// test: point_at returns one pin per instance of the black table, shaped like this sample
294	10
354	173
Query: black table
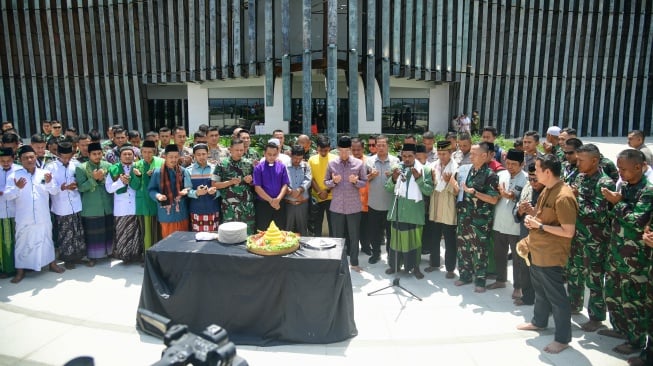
303	297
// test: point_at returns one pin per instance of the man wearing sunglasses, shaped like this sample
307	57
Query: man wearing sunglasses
569	167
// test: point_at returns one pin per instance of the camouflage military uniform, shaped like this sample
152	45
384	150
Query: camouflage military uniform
609	168
559	153
588	248
237	200
569	172
474	225
252	154
629	262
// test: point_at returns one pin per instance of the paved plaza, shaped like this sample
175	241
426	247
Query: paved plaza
49	318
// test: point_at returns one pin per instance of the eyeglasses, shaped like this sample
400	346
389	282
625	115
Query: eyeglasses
371	145
569	152
532	179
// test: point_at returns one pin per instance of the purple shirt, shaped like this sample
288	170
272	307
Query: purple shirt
346	197
271	178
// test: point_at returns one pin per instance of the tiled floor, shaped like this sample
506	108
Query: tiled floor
49	319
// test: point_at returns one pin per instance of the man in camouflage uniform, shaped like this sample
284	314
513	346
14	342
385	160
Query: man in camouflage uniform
609	168
586	263
233	177
646	356
569	168
629	259
481	193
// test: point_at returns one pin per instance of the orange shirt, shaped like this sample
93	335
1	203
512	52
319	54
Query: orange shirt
365	190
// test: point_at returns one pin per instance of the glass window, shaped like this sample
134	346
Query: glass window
406	115
235	111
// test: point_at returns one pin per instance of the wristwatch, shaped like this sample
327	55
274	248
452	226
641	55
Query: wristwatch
541	227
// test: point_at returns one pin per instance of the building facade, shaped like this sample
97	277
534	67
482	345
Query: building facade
353	66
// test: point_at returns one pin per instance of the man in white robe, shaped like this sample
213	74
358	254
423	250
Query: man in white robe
31	188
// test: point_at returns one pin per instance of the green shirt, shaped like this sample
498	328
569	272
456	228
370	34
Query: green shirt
95	199
144	204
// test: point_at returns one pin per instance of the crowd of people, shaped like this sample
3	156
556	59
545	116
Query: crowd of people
568	217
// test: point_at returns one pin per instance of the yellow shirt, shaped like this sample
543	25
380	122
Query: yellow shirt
319	166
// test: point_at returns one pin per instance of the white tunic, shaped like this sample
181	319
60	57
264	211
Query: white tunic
7	207
124	204
65	202
34	246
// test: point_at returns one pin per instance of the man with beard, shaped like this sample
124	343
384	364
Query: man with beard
97	204
140	181
442	210
167	187
410	183
30	188
129	240
66	206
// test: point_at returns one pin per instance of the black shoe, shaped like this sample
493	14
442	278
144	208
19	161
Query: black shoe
367	251
374	259
426	252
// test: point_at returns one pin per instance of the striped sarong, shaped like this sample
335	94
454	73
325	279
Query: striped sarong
70	236
150	230
129	241
7	242
98	231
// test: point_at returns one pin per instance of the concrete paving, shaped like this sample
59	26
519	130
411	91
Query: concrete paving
49	318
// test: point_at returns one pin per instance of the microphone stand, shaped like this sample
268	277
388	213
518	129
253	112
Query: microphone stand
395	219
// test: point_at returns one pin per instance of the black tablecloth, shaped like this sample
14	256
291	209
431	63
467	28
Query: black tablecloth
303	297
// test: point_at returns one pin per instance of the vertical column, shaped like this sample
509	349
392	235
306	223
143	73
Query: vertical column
202	37
183	51
269	54
64	62
213	57
353	66
396	38
307	66
192	47
224	39
32	75
44	81
162	44
10	68
428	55
332	70
115	68
370	71
99	114
122	69
408	40
419	31
385	54
133	68
286	77
172	44
251	11
237	55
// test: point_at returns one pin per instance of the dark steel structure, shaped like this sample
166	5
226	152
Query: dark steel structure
523	64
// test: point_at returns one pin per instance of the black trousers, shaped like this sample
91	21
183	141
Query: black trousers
378	230
317	217
501	244
365	232
265	214
347	226
450	249
551	297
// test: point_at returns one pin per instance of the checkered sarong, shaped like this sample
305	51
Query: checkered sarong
205	222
